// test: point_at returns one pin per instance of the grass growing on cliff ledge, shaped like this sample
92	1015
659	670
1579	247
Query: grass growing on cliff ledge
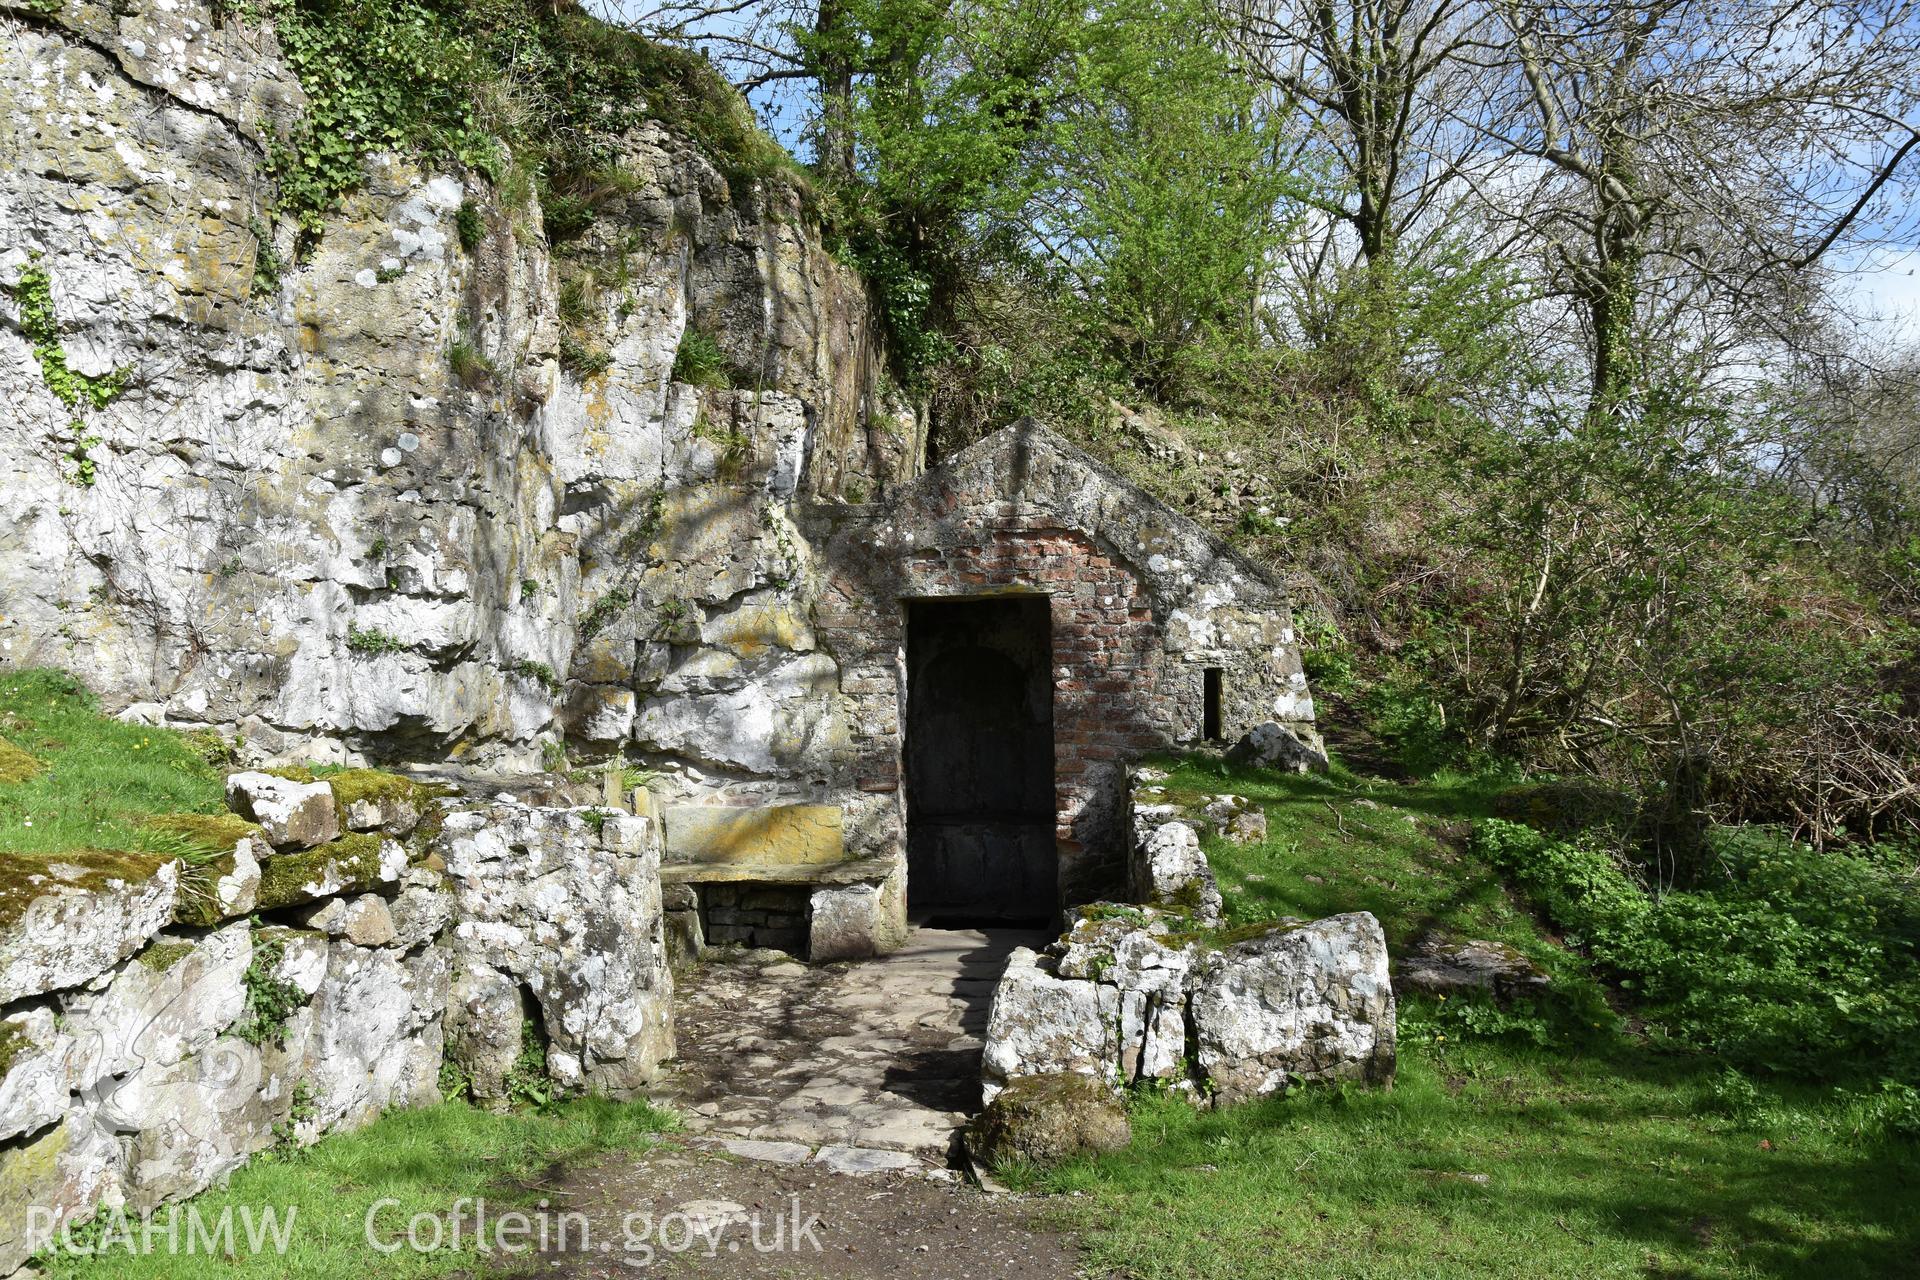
417	1162
1546	1142
94	781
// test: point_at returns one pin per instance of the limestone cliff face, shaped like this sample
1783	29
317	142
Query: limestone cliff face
369	502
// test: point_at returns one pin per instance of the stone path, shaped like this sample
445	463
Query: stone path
858	1065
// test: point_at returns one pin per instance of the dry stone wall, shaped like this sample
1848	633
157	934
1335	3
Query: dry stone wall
1153	993
156	1030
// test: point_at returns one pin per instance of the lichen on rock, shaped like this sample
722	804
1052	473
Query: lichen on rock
67	917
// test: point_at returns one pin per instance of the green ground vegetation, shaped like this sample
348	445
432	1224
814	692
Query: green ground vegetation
97	782
1563	1137
423	1160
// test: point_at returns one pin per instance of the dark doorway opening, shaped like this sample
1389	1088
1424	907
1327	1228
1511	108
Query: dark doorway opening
979	760
1210	685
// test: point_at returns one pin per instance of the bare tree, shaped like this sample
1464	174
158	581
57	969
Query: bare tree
1370	75
1702	162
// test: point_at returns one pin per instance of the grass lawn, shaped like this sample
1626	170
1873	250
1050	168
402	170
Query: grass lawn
425	1160
1589	1155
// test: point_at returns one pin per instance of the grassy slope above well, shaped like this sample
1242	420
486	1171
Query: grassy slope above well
93	781
1531	1146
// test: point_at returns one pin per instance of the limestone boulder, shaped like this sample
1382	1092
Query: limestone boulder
1041	1023
421	910
353	863
375	800
1300	1003
375	1035
1236	818
845	922
364	921
152	1055
33	1076
1272	745
1131	994
158	1009
65	920
1169	868
63	1172
294	815
1042	1120
485	1031
1437	965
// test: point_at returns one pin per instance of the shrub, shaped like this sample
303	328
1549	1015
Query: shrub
1791	959
372	640
469	225
270	999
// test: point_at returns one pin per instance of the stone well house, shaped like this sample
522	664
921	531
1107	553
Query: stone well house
987	649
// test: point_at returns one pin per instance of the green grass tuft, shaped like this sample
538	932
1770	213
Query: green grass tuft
700	361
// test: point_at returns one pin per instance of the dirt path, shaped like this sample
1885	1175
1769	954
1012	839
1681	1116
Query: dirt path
681	1211
831	1061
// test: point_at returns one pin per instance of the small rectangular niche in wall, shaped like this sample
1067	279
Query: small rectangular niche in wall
1210	722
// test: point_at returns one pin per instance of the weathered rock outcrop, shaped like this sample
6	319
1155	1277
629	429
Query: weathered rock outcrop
563	904
294	516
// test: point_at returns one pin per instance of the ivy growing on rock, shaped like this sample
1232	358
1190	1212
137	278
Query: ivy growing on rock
271	1000
33	295
533	96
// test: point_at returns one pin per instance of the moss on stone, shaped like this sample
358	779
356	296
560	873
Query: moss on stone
14	1041
1042	1120
380	787
350	864
162	956
17	765
25	877
1222	938
28	1172
376	785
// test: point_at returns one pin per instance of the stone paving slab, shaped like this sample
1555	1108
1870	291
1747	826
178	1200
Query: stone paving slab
871	1059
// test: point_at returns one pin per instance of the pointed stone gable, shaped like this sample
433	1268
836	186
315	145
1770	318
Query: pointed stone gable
1144	603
